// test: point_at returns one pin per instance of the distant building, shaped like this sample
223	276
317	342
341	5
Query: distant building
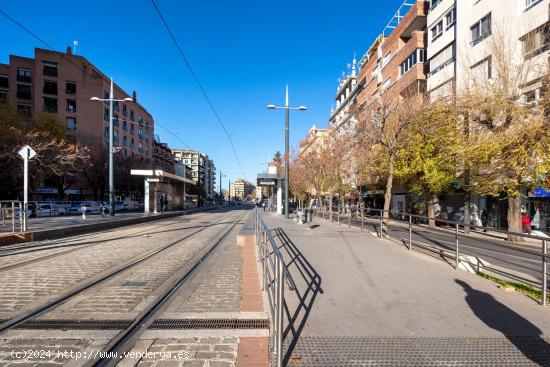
203	171
314	140
162	156
241	188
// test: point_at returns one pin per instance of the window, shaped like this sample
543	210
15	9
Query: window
418	56
536	42
106	96
132	144
50	105
132	117
125	140
124	125
25	109
50	68
106	131
530	3
140	133
115	135
71	105
442	59
115	120
131	129
482	70
124	110
70	88
50	87
24	91
437	30
140	118
115	105
140	147
23	75
4	81
71	123
450	17
481	30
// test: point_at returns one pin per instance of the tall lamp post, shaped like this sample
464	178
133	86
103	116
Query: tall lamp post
287	109
112	150
221	196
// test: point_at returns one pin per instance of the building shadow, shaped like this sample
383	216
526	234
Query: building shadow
308	285
525	336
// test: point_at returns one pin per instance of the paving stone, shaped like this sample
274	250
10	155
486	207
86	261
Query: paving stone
195	363
221	364
224	348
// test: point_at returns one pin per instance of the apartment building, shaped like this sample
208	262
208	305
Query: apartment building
62	84
315	138
343	116
463	37
396	62
203	171
241	188
162	156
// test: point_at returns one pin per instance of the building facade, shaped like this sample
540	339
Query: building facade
315	138
163	158
241	189
202	167
62	84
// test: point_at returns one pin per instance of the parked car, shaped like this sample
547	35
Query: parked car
92	207
46	210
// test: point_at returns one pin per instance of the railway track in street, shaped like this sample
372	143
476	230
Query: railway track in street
133	265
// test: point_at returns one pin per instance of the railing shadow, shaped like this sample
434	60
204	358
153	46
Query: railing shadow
307	289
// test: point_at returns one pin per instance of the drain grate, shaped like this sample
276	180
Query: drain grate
165	324
159	324
76	324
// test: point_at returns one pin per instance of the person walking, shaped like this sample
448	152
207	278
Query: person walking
485	219
165	202
162	203
525	222
263	205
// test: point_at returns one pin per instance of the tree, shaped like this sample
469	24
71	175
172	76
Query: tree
56	156
382	129
429	164
508	141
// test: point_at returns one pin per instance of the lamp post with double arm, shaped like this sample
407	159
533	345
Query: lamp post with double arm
112	150
287	109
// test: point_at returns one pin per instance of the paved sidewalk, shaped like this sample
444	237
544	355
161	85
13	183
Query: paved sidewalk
361	300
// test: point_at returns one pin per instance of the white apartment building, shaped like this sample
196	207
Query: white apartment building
461	42
342	117
203	171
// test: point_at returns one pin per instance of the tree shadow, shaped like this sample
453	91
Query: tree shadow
525	336
308	285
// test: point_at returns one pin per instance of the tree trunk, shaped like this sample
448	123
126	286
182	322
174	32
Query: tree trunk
432	200
387	194
514	217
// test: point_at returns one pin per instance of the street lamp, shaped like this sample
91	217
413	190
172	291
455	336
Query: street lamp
287	109
112	150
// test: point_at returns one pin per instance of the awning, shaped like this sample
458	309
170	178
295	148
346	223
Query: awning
161	174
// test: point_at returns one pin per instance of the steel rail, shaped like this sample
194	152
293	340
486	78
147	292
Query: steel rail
20	319
125	340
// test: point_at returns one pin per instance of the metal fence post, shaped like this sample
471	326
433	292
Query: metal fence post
544	272
12	216
22	219
381	221
457	259
410	232
280	297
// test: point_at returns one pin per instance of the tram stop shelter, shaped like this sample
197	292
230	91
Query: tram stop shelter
271	185
158	182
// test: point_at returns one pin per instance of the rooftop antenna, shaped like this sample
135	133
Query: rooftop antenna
75	43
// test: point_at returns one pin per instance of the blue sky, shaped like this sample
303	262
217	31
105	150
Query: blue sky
244	52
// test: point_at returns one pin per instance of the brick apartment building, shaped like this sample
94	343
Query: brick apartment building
163	158
62	84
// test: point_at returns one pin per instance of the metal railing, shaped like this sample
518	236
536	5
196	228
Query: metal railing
11	216
445	226
274	276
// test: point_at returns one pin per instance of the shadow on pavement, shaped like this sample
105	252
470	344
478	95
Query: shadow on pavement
307	288
525	336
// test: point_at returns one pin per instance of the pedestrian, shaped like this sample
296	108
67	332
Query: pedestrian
525	222
485	219
162	203
165	202
263	205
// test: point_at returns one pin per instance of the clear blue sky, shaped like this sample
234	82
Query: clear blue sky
244	52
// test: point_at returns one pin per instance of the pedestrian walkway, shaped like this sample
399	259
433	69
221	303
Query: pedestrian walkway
361	300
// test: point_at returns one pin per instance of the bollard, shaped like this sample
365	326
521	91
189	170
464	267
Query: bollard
410	232
381	222
362	217
457	259
544	272
349	221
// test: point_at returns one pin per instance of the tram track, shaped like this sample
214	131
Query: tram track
56	301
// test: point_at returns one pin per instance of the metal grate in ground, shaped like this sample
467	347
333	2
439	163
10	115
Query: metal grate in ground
160	324
404	351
